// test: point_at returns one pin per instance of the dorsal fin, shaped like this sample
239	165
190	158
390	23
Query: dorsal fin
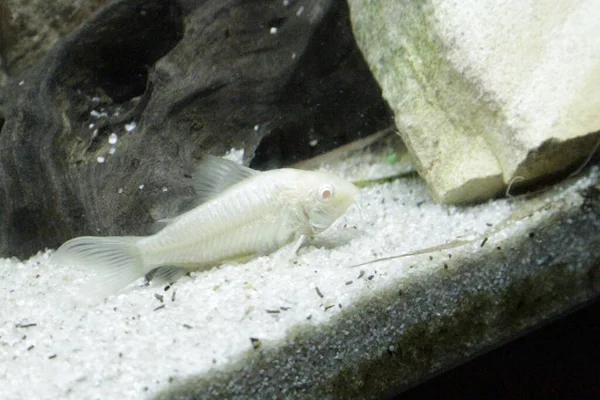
212	176
157	226
215	174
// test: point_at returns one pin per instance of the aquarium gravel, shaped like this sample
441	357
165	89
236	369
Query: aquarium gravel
135	344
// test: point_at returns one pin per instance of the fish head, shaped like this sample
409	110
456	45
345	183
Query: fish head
329	196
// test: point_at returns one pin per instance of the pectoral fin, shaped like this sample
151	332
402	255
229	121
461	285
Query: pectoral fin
159	225
287	253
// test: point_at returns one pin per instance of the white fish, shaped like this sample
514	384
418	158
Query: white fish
244	213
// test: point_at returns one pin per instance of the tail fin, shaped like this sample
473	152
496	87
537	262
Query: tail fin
116	260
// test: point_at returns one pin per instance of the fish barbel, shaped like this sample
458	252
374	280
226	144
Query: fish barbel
243	213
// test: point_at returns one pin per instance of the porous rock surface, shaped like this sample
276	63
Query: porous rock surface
487	95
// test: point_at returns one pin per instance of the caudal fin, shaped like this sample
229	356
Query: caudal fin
116	260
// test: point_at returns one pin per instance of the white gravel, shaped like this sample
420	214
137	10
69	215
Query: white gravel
134	343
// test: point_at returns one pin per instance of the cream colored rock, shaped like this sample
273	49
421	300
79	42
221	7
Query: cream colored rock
486	93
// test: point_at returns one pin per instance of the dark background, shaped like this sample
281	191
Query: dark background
558	361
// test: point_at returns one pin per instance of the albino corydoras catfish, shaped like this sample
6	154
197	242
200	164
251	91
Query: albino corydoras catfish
243	212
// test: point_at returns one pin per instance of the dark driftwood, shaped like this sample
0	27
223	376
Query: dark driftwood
196	76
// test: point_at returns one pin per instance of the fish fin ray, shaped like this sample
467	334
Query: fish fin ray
287	253
167	274
214	175
115	259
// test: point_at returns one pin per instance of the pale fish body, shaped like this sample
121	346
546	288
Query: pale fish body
244	213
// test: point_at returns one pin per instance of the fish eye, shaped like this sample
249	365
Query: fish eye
325	192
